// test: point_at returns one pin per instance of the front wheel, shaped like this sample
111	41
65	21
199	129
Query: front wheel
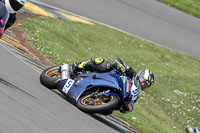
101	104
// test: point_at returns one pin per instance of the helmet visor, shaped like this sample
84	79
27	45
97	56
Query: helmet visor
144	84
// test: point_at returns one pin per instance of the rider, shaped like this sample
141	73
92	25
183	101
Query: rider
4	15
140	81
12	6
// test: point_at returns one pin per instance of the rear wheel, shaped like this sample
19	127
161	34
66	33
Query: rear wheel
50	76
98	104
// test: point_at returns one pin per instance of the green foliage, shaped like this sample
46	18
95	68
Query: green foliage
167	107
191	7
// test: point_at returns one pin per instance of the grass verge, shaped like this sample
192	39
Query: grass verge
191	7
167	107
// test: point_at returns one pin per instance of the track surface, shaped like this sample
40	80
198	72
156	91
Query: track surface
28	107
148	19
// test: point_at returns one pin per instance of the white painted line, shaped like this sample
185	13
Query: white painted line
56	8
8	49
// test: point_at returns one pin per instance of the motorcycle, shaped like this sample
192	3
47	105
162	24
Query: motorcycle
91	92
190	129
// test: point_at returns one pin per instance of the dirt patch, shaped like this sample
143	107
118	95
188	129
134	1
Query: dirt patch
16	29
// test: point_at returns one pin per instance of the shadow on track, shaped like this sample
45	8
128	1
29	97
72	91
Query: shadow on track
99	118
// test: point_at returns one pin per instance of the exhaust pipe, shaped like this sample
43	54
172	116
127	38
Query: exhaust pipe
65	71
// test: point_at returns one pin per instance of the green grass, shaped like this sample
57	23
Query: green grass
167	107
191	7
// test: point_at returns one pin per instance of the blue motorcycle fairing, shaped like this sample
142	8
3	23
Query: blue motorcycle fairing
93	79
126	86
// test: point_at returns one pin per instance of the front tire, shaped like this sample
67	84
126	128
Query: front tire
50	76
98	105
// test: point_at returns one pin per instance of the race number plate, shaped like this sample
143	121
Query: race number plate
68	85
134	91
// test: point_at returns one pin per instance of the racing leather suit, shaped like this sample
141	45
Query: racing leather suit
101	65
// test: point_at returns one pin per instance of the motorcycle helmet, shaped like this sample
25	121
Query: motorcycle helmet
145	78
14	5
4	15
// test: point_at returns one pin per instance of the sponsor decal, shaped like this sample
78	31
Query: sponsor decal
127	86
68	85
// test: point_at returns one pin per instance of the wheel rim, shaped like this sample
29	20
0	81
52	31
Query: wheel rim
88	100
53	72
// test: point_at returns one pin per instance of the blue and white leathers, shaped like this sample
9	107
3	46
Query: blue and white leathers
135	89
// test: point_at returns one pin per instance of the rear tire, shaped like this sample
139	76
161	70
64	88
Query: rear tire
101	107
50	76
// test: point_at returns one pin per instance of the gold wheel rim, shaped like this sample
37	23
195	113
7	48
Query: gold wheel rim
84	101
53	72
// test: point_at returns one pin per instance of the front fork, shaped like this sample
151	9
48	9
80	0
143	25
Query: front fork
104	93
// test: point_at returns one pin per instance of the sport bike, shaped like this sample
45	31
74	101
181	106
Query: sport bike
91	92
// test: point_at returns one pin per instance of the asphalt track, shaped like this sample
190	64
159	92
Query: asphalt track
147	19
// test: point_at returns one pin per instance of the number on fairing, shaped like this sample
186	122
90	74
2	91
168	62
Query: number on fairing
68	85
134	90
